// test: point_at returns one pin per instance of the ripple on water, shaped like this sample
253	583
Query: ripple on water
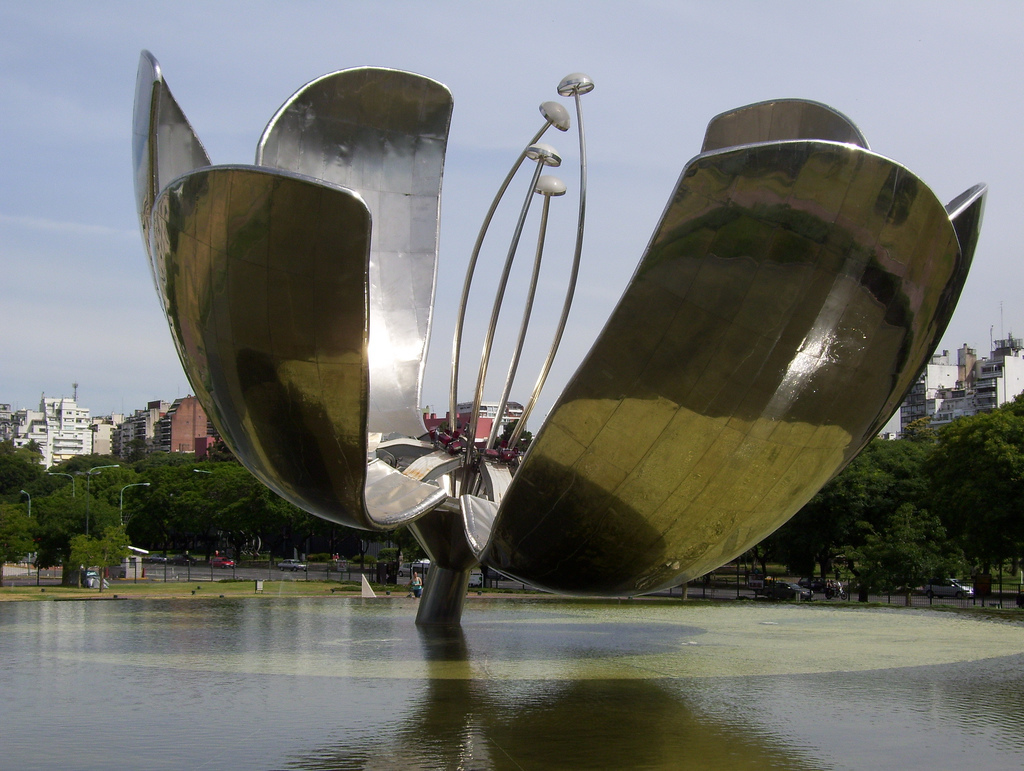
319	684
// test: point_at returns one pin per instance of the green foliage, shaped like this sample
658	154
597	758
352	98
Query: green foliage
19	469
180	509
388	554
906	510
109	549
16	534
869	490
163	459
909	549
409	547
136	450
920	430
977	473
524	438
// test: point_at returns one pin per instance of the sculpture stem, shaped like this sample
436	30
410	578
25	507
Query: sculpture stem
468	281
444	597
570	290
527	311
485	355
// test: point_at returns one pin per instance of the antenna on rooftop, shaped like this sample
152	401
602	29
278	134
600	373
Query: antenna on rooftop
74	393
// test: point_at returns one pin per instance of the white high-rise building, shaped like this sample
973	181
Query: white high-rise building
59	427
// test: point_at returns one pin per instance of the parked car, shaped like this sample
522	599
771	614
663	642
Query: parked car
291	565
221	562
406	568
182	559
158	558
476	580
784	590
812	583
90	579
946	587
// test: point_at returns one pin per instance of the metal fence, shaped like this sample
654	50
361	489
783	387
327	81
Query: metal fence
1008	596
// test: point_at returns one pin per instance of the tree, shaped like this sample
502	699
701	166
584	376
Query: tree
135	450
909	549
16	530
59	516
977	482
869	490
524	438
87	551
19	467
920	430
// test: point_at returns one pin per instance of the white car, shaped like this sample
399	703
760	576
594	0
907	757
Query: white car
406	568
946	587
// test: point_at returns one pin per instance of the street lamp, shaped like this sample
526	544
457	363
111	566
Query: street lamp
62	474
120	508
88	478
29	502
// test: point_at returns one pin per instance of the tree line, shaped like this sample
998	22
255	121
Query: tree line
936	503
941	503
85	511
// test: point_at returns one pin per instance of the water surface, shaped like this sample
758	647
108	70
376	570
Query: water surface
332	683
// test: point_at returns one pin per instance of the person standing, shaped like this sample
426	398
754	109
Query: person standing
417	585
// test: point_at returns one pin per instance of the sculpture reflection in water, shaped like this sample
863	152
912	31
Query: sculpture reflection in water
794	287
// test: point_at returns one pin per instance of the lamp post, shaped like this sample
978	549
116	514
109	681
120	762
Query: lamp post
120	507
62	474
88	479
204	471
36	557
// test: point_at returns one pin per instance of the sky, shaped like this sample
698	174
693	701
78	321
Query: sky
933	85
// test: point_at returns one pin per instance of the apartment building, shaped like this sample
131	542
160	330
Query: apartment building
139	429
60	428
183	422
951	388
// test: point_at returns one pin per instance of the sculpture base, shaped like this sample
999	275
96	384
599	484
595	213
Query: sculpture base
444	597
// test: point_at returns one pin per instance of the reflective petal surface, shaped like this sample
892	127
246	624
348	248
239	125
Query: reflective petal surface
264	279
787	301
382	133
966	211
164	146
777	121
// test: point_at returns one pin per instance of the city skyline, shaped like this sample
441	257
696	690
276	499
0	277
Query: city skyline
927	83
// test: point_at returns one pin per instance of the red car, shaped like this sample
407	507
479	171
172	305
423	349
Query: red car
222	562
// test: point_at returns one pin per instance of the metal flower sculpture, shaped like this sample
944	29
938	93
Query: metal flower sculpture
794	287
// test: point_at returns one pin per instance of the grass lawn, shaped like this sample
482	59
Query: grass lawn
127	589
145	589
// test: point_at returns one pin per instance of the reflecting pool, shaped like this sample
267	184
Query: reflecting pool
311	683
